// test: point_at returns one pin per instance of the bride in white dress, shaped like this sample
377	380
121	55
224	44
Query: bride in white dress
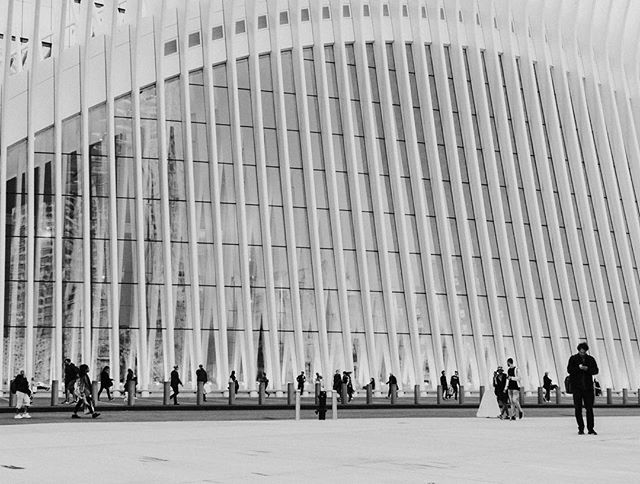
488	406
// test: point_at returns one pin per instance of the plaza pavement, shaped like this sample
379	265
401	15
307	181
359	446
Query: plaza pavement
403	450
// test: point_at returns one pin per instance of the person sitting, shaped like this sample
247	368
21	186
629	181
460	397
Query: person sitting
596	386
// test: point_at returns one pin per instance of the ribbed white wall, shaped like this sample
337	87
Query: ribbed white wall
522	242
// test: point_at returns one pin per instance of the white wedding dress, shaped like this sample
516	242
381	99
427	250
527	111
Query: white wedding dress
488	406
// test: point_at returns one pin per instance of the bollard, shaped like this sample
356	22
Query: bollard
95	388
54	393
369	395
625	396
290	392
232	392
318	389
297	406
609	396
481	392
12	396
540	395
166	393
261	393
521	396
200	393
416	394
345	394
334	406
439	395
558	396
393	388
461	395
131	393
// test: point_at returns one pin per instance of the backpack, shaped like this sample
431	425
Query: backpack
567	385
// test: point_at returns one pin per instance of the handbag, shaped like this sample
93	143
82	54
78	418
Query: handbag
567	385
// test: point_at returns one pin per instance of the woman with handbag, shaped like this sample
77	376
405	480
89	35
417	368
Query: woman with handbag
513	388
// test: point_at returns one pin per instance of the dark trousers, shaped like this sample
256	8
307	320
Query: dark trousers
455	392
81	404
104	388
547	391
175	395
583	398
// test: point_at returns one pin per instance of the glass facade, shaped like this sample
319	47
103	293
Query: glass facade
370	205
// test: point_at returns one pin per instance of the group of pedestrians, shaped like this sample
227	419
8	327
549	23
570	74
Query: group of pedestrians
451	390
507	390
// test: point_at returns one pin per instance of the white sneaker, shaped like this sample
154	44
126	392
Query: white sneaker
26	415
18	416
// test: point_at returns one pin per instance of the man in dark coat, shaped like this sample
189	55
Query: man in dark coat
581	369
548	385
70	376
175	382
455	383
444	385
392	381
301	379
201	376
337	384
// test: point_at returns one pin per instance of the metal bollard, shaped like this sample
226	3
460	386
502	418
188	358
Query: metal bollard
166	386
521	396
558	396
232	392
625	396
261	393
461	395
416	394
540	395
481	392
54	393
290	392
393	388
318	389
345	395
609	396
297	406
95	388
131	393
200	393
369	394
334	406
439	395
12	396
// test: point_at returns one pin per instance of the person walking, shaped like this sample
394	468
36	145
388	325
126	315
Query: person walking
499	388
106	382
130	378
202	376
392	381
21	388
236	384
84	393
337	385
513	388
301	379
455	383
548	385
346	380
175	385
319	379
70	376
582	367
444	385
371	384
262	378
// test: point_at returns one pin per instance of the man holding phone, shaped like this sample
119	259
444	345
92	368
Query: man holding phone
581	369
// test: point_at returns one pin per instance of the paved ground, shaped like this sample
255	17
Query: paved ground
406	450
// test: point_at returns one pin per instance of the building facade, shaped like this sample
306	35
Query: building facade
399	186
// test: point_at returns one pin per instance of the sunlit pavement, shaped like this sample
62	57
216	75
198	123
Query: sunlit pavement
462	449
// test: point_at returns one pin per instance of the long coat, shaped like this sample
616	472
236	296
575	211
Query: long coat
582	380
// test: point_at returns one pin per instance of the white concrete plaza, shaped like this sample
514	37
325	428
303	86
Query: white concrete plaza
351	450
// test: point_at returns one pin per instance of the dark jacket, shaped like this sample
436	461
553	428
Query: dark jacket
455	381
105	380
499	383
175	379
546	382
70	373
392	380
582	380
443	382
21	384
201	375
337	382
